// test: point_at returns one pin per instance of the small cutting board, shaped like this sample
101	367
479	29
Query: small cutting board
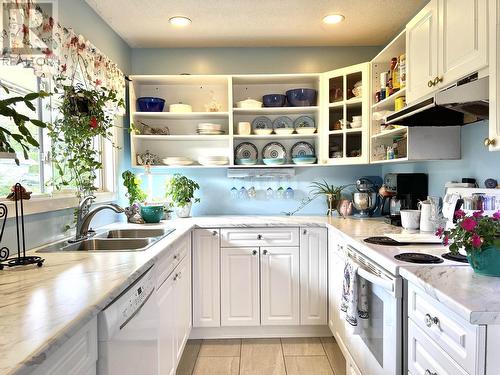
428	238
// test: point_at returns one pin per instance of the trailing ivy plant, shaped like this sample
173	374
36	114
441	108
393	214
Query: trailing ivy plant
23	137
133	185
85	114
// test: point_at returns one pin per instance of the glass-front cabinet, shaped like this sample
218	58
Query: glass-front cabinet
345	109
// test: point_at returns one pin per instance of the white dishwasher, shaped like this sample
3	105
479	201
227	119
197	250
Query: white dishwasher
128	331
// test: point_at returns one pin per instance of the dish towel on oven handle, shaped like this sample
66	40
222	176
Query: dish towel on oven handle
354	302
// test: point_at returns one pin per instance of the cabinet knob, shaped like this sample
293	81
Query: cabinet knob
430	320
254	252
437	80
175	257
305	231
265	252
214	233
430	83
176	277
490	142
429	372
259	236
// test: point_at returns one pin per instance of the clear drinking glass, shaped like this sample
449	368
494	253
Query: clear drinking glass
269	193
243	194
289	193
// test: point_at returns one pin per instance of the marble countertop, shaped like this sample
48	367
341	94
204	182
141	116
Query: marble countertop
42	307
474	297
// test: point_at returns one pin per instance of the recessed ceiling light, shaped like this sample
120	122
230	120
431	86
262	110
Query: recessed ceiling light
179	21
333	19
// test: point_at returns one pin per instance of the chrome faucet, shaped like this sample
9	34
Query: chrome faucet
85	216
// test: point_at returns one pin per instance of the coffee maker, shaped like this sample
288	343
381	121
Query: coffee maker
405	191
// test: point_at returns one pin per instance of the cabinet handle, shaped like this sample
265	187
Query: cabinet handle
259	236
430	320
265	252
437	80
490	142
214	233
176	277
429	372
430	83
254	252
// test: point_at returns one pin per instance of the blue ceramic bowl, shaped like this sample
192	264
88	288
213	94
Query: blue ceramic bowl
301	97
274	100
246	161
152	214
304	160
150	104
275	161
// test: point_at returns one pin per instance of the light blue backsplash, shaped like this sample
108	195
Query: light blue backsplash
216	198
477	162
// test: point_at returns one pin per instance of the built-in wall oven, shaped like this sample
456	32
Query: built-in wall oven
376	346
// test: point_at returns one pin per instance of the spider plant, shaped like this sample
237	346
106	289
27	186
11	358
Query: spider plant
333	193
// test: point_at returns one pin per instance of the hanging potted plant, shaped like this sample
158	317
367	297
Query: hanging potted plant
332	193
79	125
23	137
479	236
180	190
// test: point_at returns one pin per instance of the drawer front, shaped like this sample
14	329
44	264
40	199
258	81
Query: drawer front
260	237
172	258
77	356
460	339
426	358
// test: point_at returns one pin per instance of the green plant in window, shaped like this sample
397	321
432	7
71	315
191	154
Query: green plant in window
133	185
180	190
85	115
23	137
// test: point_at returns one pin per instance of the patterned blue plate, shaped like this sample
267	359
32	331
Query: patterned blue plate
246	150
262	122
274	150
304	122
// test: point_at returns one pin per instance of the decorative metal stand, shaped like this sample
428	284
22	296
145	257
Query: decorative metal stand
21	259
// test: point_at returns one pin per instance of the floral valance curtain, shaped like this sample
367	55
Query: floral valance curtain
31	36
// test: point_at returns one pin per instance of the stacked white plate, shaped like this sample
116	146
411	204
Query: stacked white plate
213	160
207	128
178	160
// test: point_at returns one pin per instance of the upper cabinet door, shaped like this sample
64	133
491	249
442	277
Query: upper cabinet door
463	38
240	287
493	140
422	52
279	286
313	276
206	278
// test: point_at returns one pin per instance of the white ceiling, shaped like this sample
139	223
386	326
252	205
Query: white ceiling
253	23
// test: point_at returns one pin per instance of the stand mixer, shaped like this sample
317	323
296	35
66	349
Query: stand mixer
366	199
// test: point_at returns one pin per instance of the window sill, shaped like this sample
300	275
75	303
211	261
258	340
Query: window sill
37	205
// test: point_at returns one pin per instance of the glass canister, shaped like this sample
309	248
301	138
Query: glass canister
478	201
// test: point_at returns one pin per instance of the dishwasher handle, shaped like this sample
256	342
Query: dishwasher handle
124	324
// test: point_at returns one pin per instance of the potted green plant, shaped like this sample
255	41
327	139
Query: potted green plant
23	138
333	194
180	190
85	115
479	236
132	183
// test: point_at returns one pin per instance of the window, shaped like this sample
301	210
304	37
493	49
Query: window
36	172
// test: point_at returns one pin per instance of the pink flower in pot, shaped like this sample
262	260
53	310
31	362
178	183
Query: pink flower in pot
468	224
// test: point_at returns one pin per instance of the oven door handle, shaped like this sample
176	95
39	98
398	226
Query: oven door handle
386	284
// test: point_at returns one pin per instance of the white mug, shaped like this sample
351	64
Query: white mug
410	219
244	128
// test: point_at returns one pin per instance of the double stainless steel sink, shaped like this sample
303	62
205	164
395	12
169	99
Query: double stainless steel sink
114	240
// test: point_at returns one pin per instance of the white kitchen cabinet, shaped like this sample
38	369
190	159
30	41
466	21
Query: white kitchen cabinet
182	305
313	276
206	278
166	329
447	40
77	356
463	38
422	52
240	295
493	140
280	286
236	237
342	144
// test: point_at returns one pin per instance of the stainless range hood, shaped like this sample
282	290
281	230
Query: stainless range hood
463	103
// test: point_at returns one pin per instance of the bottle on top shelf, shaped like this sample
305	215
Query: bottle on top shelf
402	71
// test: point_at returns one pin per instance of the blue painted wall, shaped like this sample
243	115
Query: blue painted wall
477	162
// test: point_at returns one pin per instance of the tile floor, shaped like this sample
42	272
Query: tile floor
286	356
